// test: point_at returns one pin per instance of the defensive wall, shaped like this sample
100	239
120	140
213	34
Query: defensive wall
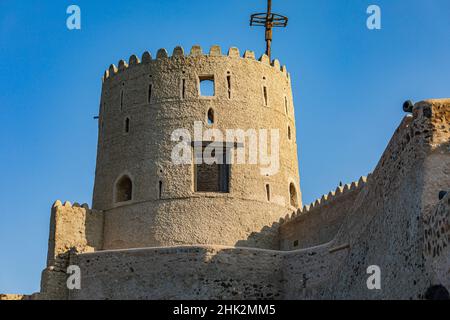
394	219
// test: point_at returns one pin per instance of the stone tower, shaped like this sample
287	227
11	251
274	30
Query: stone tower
147	199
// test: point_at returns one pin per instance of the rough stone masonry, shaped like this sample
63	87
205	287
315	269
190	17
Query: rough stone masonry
157	230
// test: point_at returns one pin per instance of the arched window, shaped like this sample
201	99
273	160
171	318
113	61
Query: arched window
293	195
210	117
124	189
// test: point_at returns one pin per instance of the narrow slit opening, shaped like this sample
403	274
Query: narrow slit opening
265	95
127	125
229	86
149	97
268	192
183	89
286	105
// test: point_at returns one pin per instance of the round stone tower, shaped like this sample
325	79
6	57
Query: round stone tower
147	198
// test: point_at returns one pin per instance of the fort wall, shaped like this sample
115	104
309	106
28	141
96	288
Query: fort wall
11	297
245	243
73	229
204	272
437	243
319	222
386	226
220	215
192	272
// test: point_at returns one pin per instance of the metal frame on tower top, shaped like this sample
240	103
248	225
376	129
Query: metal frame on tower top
269	20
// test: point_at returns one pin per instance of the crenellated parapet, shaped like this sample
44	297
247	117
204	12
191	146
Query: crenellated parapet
195	52
319	222
68	204
326	199
73	229
312	225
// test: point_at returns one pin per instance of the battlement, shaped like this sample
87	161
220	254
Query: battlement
319	222
73	227
68	204
326	199
196	52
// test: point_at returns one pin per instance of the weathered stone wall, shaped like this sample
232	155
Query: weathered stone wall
154	222
6	297
386	225
193	272
319	223
395	222
307	272
178	214
73	229
437	243
204	272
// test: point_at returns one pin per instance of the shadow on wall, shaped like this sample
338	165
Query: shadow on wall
310	226
266	238
437	292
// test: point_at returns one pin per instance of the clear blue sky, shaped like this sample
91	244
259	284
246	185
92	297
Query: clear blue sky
349	84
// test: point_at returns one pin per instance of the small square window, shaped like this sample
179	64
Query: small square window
207	86
296	243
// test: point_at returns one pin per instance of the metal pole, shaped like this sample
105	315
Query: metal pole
269	28
268	20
